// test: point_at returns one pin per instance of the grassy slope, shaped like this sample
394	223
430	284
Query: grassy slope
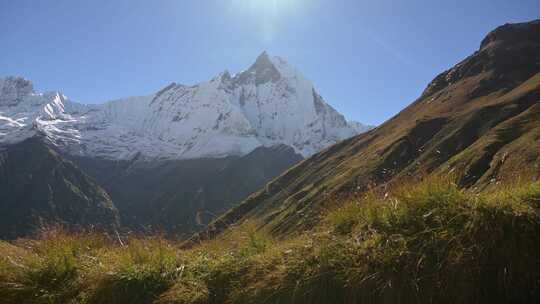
472	241
478	120
428	243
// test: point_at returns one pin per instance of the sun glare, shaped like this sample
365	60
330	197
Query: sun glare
267	7
269	16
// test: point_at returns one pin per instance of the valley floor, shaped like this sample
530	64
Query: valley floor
427	243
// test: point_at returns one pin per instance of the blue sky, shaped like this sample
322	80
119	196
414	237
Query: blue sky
368	58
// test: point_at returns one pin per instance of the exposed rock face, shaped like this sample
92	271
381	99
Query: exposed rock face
38	187
182	196
13	90
509	54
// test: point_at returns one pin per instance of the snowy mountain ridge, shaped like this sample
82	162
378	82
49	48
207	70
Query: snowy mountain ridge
270	103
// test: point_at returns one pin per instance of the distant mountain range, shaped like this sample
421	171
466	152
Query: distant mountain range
172	160
478	122
270	103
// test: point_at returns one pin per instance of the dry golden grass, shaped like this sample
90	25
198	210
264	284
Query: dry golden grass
425	243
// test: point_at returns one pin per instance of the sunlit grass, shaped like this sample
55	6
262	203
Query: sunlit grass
425	243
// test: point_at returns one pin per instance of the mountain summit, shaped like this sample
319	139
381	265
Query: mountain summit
175	159
270	103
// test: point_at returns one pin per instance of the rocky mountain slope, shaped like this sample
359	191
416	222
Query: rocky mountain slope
38	187
270	103
479	121
183	196
176	159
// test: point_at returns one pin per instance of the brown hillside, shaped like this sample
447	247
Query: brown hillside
479	120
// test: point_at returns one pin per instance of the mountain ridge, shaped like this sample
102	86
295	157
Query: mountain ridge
182	196
176	159
39	188
477	121
269	103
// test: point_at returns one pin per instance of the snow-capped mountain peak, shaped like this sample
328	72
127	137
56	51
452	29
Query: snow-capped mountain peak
268	68
269	103
13	90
